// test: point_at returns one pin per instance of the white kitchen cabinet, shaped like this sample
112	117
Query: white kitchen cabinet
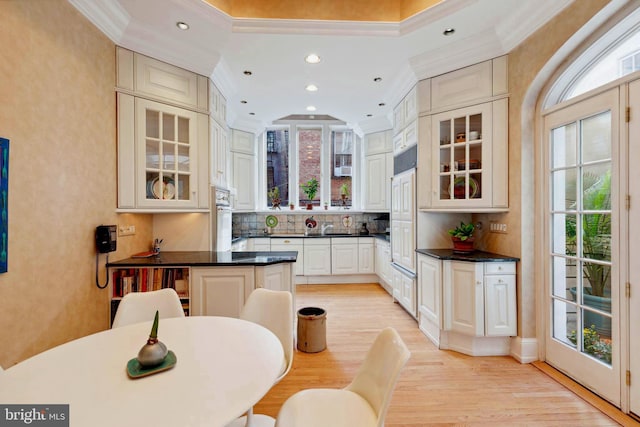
403	238
404	290
160	81
408	137
220	291
430	300
217	106
242	142
276	277
383	262
468	306
291	244
366	255
469	159
344	255
378	170
243	182
159	156
377	143
317	257
260	244
479	298
500	299
464	298
243	167
241	245
406	111
163	136
219	155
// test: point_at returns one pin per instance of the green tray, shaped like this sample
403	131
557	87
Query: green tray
136	370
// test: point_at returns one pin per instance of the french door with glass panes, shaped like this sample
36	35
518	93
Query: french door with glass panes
582	243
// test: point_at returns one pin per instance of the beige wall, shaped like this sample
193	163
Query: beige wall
525	63
57	107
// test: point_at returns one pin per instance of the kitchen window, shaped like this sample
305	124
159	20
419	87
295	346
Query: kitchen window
296	153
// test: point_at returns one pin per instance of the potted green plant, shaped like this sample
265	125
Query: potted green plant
596	245
344	194
462	237
274	195
310	188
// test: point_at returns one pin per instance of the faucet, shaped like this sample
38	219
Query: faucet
324	228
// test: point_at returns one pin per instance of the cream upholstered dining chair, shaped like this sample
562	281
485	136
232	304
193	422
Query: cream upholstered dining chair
136	307
362	403
273	310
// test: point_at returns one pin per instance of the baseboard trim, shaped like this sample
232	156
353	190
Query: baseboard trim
524	350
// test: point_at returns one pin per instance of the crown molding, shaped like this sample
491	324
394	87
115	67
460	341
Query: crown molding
526	21
313	27
108	16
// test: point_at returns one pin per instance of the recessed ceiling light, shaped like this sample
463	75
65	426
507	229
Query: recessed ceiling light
182	25
377	79
247	73
311	108
382	104
312	58
449	31
312	88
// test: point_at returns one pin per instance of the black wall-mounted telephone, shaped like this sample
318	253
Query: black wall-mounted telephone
106	238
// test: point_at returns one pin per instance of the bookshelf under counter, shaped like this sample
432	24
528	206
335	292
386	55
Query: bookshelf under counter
208	283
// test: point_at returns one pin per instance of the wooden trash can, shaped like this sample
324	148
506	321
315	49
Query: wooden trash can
312	329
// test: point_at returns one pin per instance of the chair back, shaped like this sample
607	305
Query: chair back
378	374
136	307
273	310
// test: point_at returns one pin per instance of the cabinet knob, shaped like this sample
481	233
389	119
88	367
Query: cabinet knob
499	268
478	282
287	241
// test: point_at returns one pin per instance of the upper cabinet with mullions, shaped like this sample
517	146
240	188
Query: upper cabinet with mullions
463	151
163	134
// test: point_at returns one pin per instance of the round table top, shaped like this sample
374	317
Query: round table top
224	366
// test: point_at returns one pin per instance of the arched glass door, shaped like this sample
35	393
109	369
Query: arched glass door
583	279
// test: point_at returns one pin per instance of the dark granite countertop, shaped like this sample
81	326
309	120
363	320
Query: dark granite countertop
381	236
475	256
208	259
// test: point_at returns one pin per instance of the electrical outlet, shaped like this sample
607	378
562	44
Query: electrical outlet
126	230
497	227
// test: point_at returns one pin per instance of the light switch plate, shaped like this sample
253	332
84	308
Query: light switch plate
126	230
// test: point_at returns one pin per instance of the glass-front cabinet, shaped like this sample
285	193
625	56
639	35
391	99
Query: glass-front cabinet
464	154
167	144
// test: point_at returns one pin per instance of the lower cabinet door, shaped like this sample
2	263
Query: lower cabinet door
464	297
220	291
500	305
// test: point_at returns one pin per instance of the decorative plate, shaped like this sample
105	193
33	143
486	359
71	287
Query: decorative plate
157	191
458	188
271	221
310	222
136	370
347	221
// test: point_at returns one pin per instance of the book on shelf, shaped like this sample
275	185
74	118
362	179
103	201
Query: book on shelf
150	279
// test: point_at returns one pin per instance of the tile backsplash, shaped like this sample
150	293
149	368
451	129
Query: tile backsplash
254	224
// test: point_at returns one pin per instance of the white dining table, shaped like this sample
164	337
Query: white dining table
224	366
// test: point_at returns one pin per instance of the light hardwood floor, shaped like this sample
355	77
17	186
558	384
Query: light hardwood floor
436	388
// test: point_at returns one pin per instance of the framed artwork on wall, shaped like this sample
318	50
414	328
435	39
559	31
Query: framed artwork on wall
4	197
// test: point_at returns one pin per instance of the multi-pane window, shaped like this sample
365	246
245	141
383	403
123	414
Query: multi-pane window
309	165
342	163
277	159
630	63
